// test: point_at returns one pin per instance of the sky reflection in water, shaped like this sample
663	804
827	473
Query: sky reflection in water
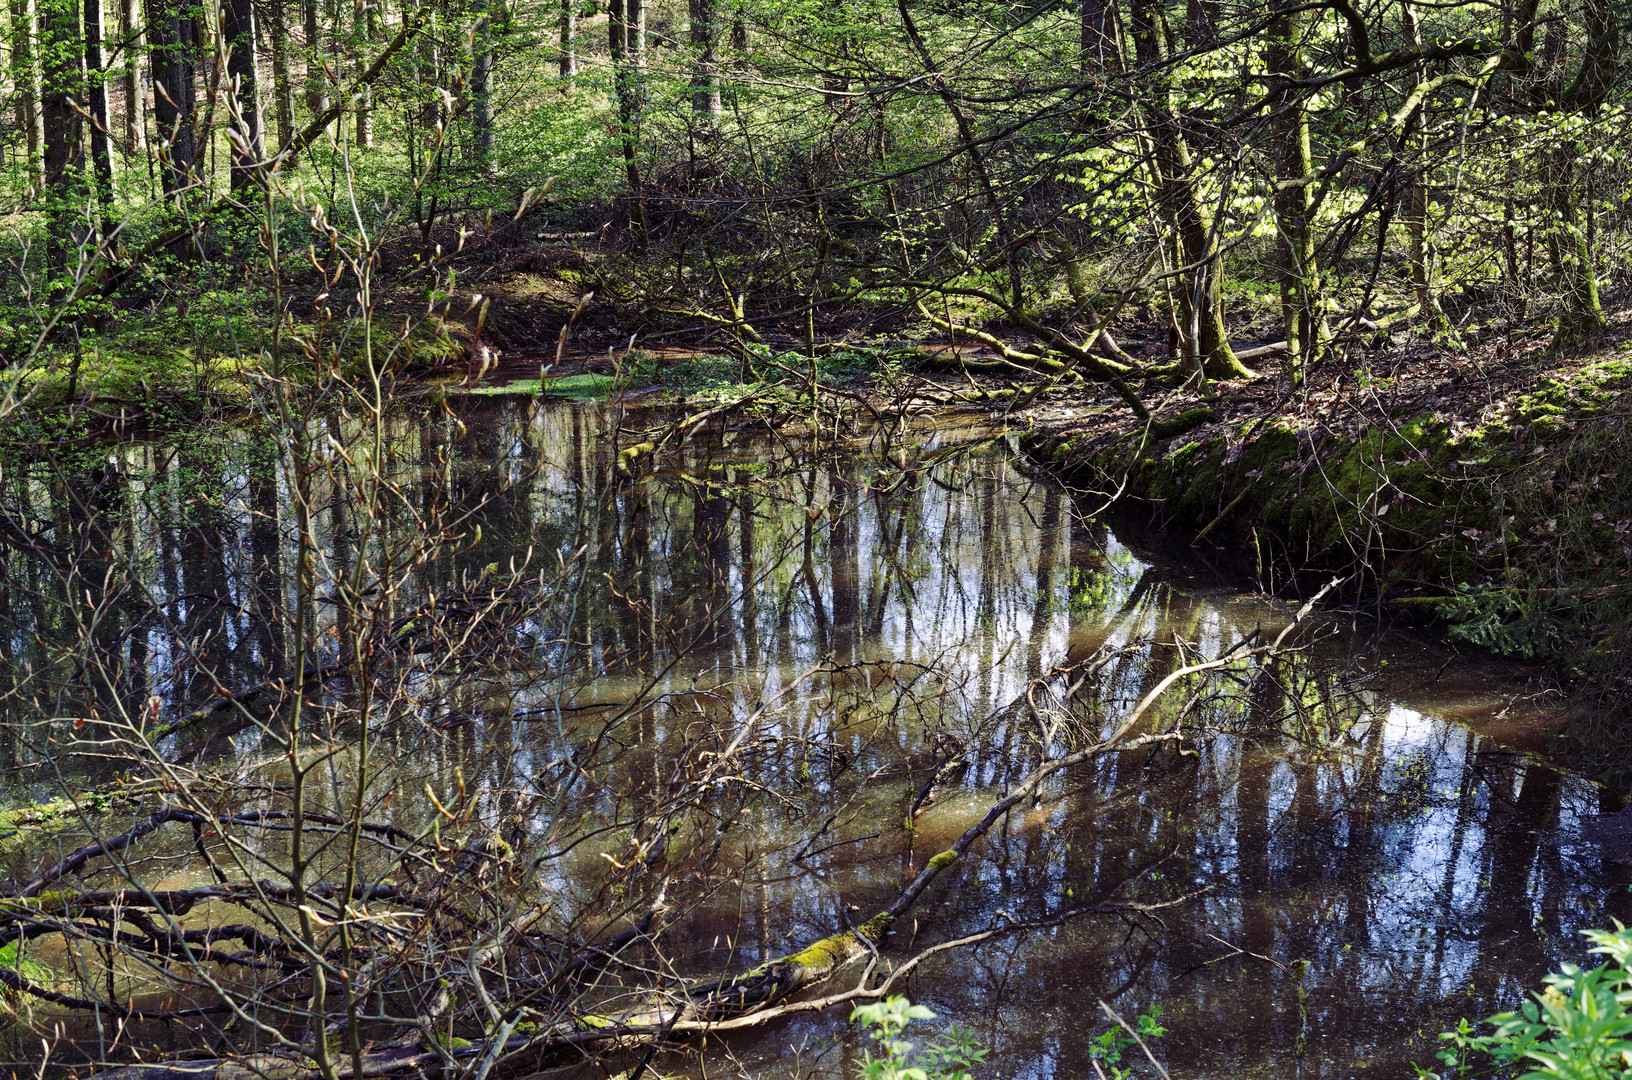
1373	838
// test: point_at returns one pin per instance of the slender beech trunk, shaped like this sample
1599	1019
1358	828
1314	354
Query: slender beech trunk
30	117
619	38
481	77
238	24
1569	242
1421	251
706	106
363	29
60	80
1201	24
135	134
569	40
1302	305
1203	342
317	97
1098	40
283	85
635	30
96	93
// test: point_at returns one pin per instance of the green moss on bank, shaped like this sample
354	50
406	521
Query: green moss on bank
1513	522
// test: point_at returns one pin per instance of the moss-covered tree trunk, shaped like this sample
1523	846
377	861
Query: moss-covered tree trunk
1204	343
1580	311
1303	305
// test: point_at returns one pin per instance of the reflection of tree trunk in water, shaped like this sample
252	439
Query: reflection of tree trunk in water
844	565
640	643
580	482
266	570
1042	608
808	567
1252	833
340	560
745	553
986	608
1359	864
711	524
1446	897
1177	622
1506	929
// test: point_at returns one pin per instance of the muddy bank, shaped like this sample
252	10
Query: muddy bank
1502	505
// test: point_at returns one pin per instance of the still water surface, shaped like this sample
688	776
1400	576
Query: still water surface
1373	848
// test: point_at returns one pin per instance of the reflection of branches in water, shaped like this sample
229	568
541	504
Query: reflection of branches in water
540	764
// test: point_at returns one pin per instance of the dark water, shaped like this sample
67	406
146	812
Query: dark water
1369	845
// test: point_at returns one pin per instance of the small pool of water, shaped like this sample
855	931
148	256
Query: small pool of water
1362	847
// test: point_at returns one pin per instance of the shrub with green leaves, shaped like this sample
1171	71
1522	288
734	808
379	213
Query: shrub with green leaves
1578	1028
944	1058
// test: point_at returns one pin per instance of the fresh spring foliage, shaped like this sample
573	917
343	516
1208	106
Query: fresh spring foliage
1578	1028
946	1058
949	1057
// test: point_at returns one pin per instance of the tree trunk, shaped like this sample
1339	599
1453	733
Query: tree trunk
1201	24
170	38
1580	311
135	100
706	106
481	75
635	16
1204	345
317	98
238	22
569	40
1421	251
60	79
1098	39
619	38
283	86
1302	305
30	118
362	33
96	90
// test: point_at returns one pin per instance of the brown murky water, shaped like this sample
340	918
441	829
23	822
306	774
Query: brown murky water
1375	849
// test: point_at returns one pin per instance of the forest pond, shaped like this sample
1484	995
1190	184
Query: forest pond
1327	877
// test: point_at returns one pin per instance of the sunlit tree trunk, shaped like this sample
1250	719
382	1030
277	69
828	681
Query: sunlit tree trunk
362	33
135	134
569	40
481	77
1416	210
60	80
96	94
1302	305
283	85
620	36
1569	243
1203	342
